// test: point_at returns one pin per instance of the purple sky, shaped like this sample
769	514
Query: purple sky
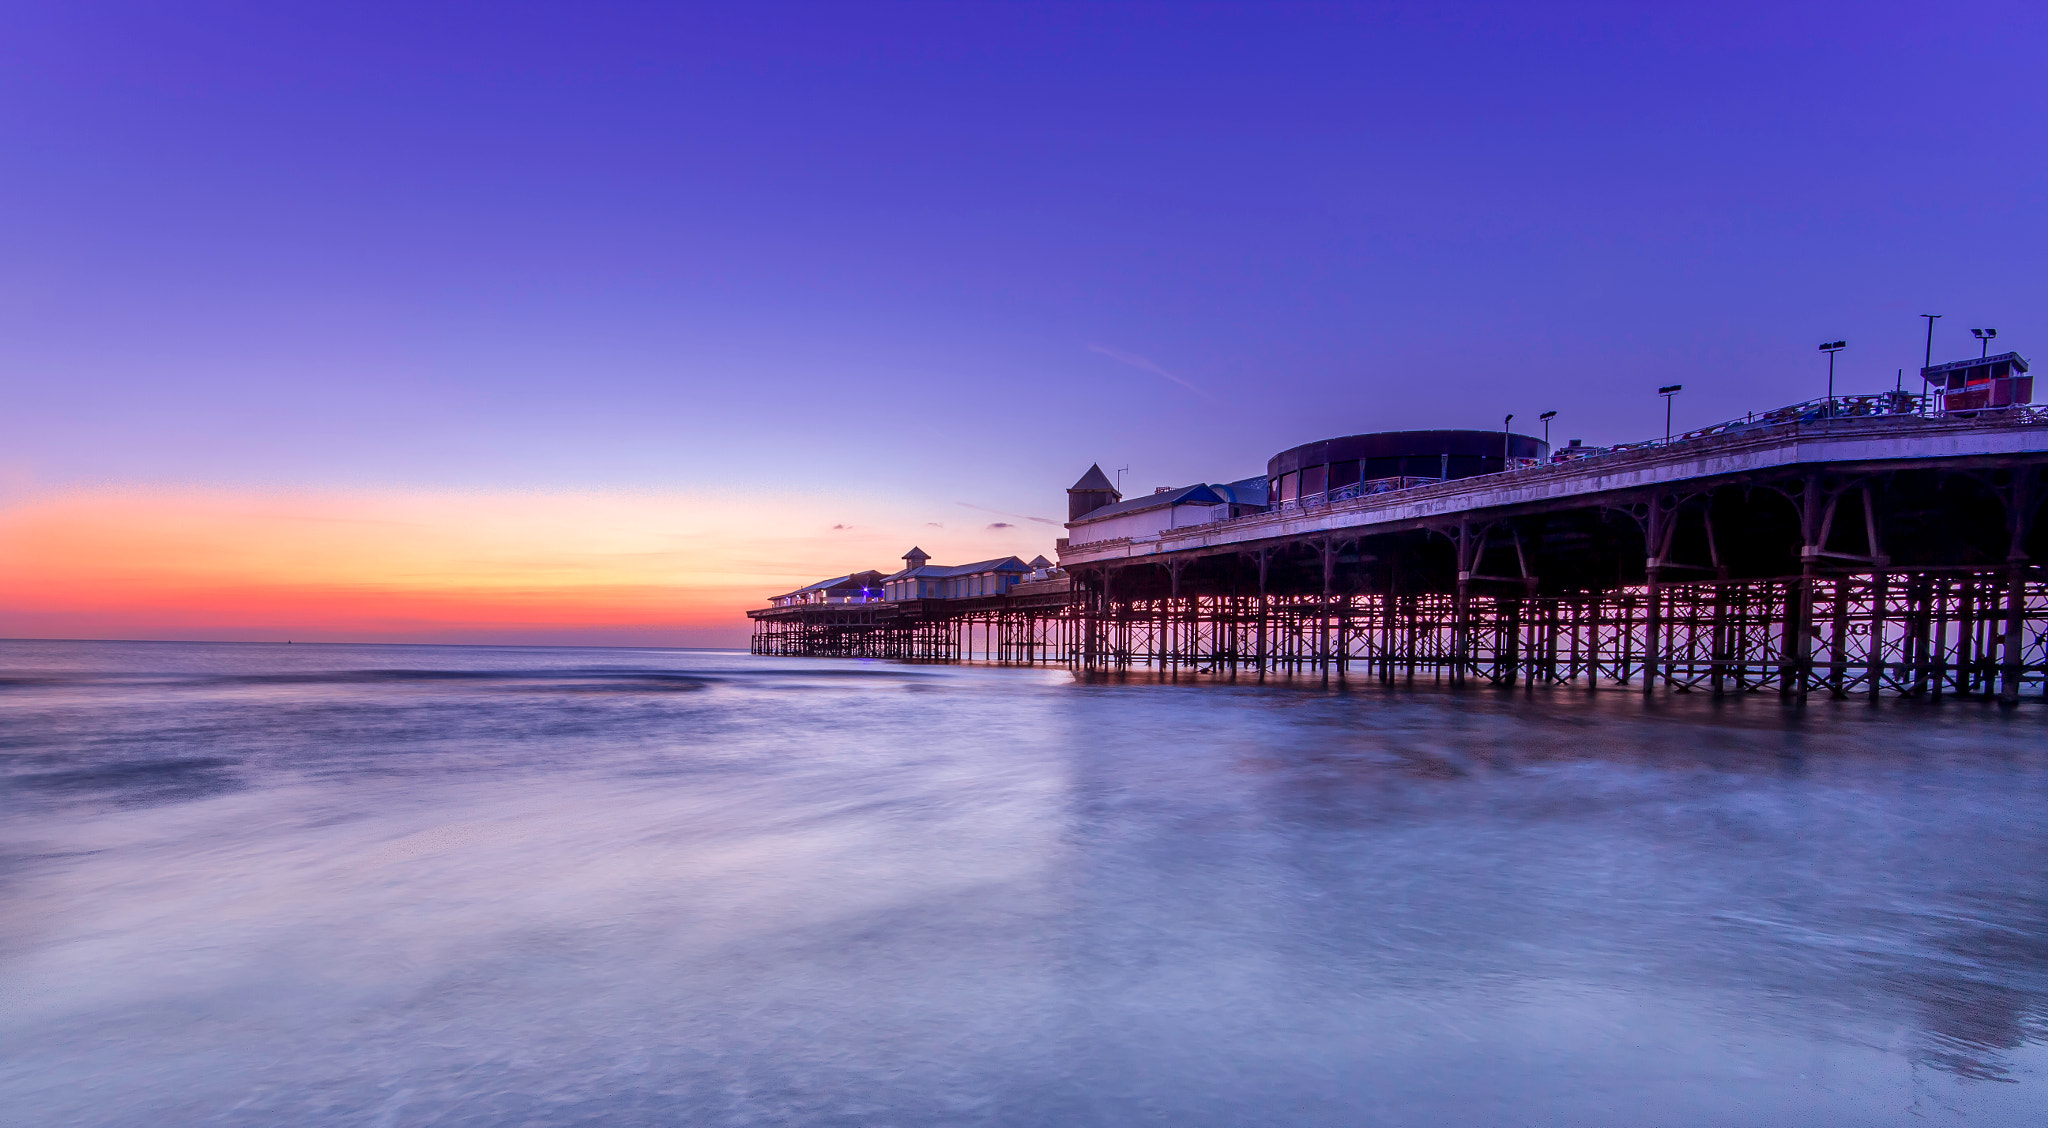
956	252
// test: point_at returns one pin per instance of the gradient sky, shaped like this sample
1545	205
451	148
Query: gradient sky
553	323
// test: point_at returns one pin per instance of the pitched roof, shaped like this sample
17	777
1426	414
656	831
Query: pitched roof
1248	491
1197	494
1094	479
853	579
940	571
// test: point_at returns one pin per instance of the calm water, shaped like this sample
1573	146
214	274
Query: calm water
263	885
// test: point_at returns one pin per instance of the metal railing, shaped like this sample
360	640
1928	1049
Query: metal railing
1346	493
1821	412
1824	412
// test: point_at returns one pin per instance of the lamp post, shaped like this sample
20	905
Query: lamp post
1929	362
1504	442
1984	337
1831	348
1667	391
1546	417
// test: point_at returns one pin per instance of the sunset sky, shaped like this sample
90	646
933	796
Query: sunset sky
598	323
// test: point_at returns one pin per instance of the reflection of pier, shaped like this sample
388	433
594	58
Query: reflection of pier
1880	551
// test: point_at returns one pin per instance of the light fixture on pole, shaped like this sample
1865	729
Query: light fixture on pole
1504	441
1546	417
1929	362
1667	391
1831	348
1985	337
1120	480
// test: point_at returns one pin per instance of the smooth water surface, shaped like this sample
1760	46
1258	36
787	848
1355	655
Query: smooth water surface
356	885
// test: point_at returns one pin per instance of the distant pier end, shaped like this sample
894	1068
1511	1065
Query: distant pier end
1004	609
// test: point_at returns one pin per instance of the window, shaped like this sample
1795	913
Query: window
1314	480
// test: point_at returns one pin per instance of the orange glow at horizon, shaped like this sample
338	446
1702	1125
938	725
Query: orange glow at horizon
632	569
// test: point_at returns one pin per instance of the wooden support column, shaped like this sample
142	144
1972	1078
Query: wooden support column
1799	609
1387	632
1919	622
1718	650
1265	557
1513	657
1461	629
1938	597
1323	655
1880	596
1169	616
2019	517
1967	653
1654	537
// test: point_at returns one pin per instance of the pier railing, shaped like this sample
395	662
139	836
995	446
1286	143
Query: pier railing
1817	416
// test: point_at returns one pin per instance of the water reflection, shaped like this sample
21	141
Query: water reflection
252	885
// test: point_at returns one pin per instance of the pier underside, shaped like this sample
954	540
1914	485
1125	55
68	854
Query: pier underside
1922	633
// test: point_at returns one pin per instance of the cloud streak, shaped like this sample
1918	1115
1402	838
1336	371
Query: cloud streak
1006	513
1145	364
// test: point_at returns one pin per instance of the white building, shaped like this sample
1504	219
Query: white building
919	580
1098	513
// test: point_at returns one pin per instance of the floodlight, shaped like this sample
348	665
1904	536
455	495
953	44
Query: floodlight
1547	416
1667	391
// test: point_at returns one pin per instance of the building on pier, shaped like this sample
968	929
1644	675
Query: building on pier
858	587
1091	493
1973	385
1336	469
922	580
1167	507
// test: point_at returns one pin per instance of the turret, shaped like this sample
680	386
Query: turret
1091	493
915	558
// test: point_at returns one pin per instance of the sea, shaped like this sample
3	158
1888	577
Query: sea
310	885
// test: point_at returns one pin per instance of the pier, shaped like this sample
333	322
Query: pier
1865	546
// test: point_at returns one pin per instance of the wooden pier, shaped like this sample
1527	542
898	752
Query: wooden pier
1881	553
